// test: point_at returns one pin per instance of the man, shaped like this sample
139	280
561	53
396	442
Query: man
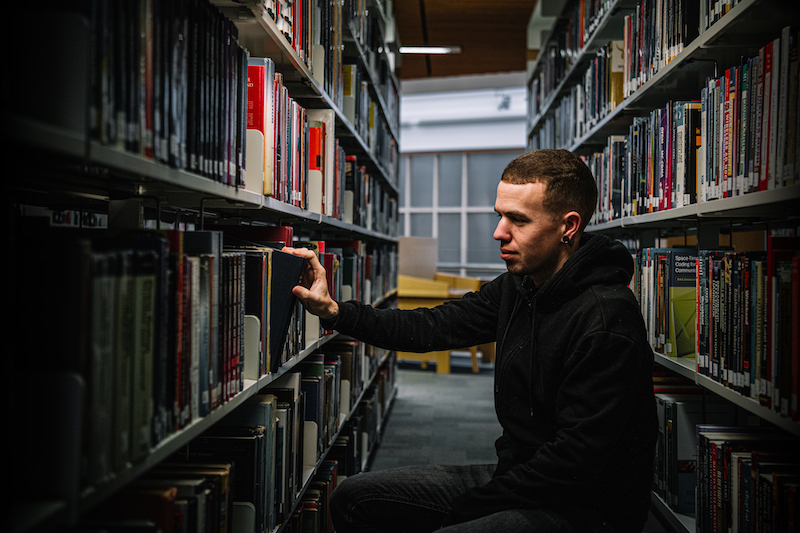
573	377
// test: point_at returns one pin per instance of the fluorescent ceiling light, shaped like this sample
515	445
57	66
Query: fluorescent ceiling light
430	49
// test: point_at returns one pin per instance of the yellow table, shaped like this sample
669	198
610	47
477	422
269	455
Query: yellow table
413	293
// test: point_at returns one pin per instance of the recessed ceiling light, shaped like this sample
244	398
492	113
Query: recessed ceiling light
430	49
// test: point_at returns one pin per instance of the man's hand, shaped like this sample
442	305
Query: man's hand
313	288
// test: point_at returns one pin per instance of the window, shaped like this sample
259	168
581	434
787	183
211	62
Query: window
450	196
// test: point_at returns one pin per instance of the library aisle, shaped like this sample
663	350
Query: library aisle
440	418
446	418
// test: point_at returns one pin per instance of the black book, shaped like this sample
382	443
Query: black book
246	448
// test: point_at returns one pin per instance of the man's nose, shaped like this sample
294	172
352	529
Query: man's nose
500	233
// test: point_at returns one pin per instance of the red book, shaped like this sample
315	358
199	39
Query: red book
315	147
256	95
765	118
261	234
726	145
175	239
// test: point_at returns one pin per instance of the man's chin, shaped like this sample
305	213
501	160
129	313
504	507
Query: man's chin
513	267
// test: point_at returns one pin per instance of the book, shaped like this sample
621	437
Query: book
682	412
122	347
766	117
261	124
196	493
155	245
261	411
258	294
155	504
716	443
682	308
146	271
101	380
219	480
247	448
327	124
316	183
291	436
208	245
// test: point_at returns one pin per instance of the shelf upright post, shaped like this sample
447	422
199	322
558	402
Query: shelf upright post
648	238
126	214
707	236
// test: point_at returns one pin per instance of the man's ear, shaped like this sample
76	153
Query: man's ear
572	224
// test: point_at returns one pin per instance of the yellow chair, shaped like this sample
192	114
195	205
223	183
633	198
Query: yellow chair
463	285
414	292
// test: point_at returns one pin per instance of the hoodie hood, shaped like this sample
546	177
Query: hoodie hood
599	261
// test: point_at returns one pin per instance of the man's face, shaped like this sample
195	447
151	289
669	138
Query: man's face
530	239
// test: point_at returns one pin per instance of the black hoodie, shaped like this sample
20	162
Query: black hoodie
573	385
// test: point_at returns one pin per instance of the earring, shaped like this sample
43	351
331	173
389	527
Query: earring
566	240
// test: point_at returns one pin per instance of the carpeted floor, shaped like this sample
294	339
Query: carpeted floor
445	419
440	418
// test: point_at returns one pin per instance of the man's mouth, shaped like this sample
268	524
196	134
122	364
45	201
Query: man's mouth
506	254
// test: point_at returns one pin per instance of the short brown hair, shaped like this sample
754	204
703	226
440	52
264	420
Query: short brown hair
569	184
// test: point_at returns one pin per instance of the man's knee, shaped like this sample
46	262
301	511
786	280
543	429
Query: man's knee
344	494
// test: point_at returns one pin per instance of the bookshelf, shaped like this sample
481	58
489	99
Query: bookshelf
67	174
679	65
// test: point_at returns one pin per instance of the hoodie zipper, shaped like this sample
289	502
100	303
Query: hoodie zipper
504	360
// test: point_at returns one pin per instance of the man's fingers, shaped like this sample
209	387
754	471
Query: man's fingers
301	292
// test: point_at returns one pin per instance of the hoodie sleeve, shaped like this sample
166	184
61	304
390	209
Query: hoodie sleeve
460	323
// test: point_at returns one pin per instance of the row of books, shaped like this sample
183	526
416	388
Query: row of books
747	316
563	50
665	285
585	103
734	312
285	140
296	158
169	81
171	323
711	11
728	476
316	29
664	154
365	28
606	167
367	114
658	30
371	70
356	270
739	137
372	26
749	122
680	406
271	463
367	202
653	35
747	479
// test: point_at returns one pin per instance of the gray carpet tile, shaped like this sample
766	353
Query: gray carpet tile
440	418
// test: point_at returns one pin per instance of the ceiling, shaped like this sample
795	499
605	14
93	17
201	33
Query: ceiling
492	35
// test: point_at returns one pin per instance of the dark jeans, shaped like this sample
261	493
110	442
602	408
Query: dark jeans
417	499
